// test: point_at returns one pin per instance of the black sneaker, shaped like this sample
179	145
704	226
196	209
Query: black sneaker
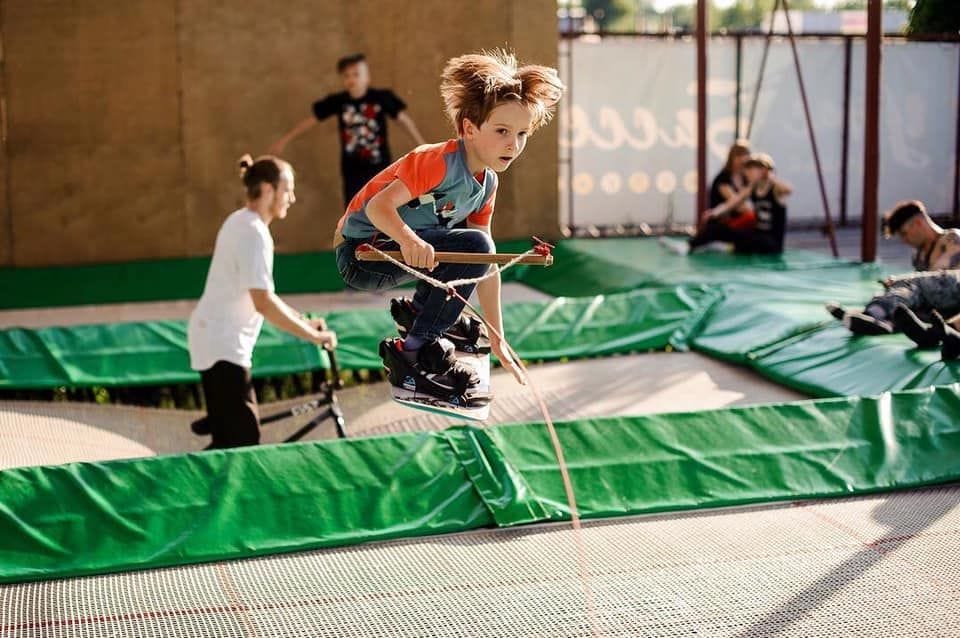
201	427
433	369
860	323
836	311
950	350
921	333
467	335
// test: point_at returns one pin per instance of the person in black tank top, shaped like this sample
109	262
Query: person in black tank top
767	196
739	220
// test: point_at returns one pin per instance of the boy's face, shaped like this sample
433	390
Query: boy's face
356	78
911	233
283	196
756	173
501	139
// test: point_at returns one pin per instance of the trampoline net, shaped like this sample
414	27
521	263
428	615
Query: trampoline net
876	566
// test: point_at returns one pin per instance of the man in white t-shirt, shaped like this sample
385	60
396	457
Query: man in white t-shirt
237	296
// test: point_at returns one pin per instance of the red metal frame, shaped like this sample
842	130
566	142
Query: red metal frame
871	133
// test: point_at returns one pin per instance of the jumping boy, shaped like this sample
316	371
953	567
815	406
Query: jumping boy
238	294
361	123
440	197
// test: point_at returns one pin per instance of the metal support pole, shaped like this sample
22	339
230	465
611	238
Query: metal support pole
871	133
956	162
739	65
702	27
828	218
845	149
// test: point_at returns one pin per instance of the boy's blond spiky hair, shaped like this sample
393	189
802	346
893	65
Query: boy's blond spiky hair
473	85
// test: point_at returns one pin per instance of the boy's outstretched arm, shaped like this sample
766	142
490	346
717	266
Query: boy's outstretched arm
488	293
411	127
731	204
781	188
302	127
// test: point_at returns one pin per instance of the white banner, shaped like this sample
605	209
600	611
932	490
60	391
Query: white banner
628	135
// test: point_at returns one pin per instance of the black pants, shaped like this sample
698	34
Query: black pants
745	242
231	405
922	292
356	177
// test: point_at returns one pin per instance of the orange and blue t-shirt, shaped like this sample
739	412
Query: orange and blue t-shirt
444	191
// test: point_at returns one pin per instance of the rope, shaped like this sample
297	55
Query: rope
444	285
583	561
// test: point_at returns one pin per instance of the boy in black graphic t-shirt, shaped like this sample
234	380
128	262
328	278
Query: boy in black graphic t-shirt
361	114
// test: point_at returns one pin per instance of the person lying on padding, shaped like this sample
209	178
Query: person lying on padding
935	249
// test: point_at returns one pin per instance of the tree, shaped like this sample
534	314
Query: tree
608	13
934	16
860	5
748	15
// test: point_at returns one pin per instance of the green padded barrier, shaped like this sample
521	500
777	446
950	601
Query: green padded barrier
764	308
831	362
163	279
593	266
86	518
828	447
89	518
128	354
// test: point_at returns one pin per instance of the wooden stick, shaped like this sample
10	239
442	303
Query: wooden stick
463	258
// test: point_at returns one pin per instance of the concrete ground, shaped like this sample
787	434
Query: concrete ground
867	567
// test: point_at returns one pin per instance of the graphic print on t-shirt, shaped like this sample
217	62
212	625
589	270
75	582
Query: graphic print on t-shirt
445	211
362	137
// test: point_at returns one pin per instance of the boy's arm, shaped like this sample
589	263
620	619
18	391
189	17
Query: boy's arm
382	213
727	191
488	294
302	127
411	127
277	312
781	188
733	203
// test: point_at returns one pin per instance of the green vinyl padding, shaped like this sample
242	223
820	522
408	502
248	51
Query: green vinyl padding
763	312
829	362
767	307
593	266
769	313
129	354
90	518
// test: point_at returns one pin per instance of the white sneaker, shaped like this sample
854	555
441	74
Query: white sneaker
681	248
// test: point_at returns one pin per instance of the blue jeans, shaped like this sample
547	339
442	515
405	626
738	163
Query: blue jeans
436	312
